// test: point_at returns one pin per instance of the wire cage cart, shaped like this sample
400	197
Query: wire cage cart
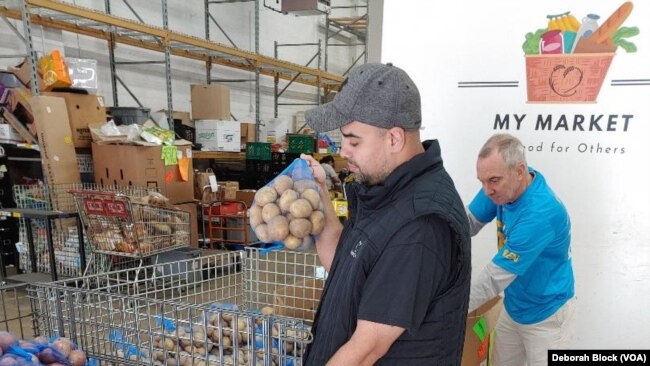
227	223
16	315
228	308
64	233
121	225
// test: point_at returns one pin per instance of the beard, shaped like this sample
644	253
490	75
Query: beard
372	179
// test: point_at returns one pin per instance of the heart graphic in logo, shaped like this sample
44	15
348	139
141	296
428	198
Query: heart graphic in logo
564	80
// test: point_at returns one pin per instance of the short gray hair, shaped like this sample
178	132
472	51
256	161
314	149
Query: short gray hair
512	151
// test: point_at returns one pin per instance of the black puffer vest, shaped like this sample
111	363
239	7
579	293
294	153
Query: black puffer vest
417	188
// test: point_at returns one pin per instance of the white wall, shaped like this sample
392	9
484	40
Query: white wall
605	193
147	81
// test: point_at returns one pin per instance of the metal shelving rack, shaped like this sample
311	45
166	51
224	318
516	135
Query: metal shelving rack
356	26
210	19
118	30
353	26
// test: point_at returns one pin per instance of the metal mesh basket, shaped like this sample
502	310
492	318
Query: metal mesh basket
122	225
16	314
64	232
216	309
58	197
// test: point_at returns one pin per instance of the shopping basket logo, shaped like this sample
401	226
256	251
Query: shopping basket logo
567	62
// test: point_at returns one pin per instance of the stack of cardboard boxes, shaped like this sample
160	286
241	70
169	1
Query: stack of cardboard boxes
215	130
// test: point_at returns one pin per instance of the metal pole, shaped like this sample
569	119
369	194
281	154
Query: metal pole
29	47
327	37
365	39
208	63
257	70
318	97
111	57
168	70
276	81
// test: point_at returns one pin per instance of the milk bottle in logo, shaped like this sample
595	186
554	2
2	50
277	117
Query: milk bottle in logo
588	26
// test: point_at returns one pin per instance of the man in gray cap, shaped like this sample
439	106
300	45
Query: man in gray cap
399	269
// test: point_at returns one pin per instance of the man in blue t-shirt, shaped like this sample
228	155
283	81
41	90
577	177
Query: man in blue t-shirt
533	262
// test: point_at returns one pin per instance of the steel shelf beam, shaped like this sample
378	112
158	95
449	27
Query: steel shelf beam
75	19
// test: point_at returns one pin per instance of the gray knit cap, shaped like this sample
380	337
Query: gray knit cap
375	94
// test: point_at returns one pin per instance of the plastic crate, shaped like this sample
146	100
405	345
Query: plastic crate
258	151
185	132
281	161
301	144
129	115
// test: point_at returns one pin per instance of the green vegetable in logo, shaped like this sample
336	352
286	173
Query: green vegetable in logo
625	32
531	44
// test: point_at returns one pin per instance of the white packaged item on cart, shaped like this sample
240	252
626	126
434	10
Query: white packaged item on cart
83	72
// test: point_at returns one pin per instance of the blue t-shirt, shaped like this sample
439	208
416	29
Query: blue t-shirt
534	241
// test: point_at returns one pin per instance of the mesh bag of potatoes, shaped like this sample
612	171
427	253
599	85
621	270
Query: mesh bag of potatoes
289	209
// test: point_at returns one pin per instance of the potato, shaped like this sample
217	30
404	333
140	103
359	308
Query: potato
281	183
312	196
278	228
227	342
255	215
170	345
292	243
288	347
265	195
299	228
300	208
270	211
77	358
162	229
64	346
267	310
7	340
287	199
241	324
317	219
49	355
303	184
262	232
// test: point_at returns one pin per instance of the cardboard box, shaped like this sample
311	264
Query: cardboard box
8	133
83	110
246	195
24	74
182	117
478	331
230	189
19	105
25	132
218	135
55	141
299	300
191	207
248	132
133	165
211	101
